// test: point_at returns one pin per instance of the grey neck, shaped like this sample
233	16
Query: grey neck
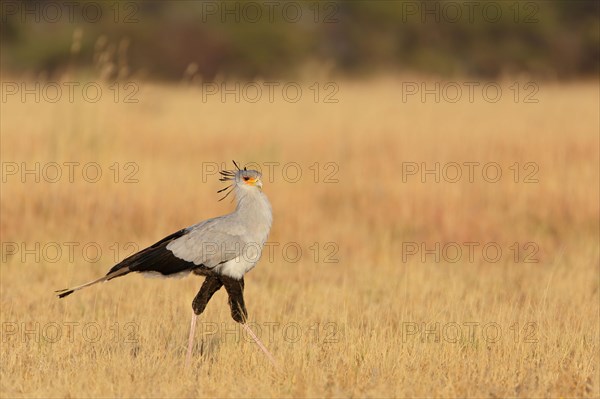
254	211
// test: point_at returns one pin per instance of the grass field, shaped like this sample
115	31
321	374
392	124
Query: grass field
399	290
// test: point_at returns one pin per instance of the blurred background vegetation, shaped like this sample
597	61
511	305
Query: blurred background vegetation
171	41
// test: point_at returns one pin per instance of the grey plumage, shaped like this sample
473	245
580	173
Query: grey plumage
231	244
223	249
228	245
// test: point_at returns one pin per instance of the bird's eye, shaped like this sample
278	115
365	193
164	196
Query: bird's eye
246	178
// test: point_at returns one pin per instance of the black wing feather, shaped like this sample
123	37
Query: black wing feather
155	258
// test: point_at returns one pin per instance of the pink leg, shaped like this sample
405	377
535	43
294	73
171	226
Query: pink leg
191	341
261	346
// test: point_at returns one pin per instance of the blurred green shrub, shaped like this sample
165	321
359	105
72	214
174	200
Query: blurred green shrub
275	39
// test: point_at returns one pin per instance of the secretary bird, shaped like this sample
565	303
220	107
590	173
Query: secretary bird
223	249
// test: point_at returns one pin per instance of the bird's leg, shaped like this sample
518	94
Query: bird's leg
260	345
235	290
209	287
188	356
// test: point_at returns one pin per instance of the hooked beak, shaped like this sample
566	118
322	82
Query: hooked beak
254	182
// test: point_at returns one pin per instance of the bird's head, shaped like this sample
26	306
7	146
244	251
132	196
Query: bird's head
242	179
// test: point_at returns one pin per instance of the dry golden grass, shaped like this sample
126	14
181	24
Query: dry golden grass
357	318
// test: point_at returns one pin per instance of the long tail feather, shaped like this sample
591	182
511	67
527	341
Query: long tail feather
69	291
